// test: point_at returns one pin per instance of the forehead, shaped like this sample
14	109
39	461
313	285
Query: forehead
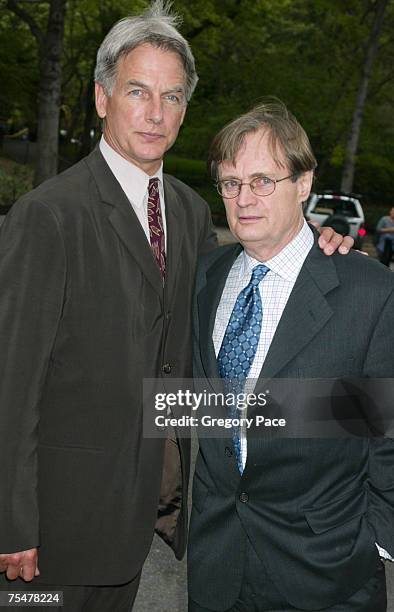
149	62
256	155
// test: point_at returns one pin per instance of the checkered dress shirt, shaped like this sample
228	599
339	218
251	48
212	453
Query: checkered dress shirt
275	290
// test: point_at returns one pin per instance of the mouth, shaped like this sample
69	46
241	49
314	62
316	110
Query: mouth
249	219
150	137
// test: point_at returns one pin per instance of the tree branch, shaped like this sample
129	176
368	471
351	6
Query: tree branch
85	23
379	86
12	5
207	23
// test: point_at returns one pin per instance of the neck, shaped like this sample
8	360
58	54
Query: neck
264	252
150	167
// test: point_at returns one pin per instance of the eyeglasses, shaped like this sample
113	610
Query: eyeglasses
261	186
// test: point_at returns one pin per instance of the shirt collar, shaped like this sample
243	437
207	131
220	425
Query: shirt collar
288	262
132	179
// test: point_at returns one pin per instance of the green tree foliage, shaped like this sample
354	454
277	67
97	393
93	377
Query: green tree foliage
18	71
309	53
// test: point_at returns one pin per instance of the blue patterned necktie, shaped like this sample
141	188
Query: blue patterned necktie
240	343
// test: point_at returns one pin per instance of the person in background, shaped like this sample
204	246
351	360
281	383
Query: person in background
385	238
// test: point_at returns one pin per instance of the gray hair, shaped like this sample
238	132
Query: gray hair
285	135
157	27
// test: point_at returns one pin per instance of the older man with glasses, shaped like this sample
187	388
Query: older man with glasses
286	517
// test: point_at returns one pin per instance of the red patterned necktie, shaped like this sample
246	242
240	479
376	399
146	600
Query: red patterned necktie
156	229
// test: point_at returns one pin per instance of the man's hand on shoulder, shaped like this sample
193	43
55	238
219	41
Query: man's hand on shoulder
330	241
23	564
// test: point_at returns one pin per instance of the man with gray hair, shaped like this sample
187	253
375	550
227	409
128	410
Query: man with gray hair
96	273
96	276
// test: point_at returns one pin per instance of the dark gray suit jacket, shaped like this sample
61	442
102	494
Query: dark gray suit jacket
83	319
315	507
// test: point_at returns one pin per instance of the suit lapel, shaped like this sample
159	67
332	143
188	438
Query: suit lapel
208	300
207	303
123	219
306	313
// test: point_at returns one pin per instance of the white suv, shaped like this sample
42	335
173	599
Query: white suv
342	212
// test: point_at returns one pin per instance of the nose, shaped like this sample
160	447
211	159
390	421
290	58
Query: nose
246	196
154	111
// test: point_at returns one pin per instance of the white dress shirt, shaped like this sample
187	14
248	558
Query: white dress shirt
134	183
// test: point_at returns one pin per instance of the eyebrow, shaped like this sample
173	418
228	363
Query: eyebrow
251	176
132	83
175	89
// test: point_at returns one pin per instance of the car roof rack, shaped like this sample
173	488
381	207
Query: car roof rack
348	194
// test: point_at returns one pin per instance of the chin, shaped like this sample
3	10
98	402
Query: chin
152	153
249	234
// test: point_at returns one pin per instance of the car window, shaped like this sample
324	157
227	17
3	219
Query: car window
335	206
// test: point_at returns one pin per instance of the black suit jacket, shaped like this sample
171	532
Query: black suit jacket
83	319
314	507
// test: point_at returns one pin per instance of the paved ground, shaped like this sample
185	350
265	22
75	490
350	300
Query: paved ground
164	584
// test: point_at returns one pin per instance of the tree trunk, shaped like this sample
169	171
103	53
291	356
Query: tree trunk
89	114
354	136
49	94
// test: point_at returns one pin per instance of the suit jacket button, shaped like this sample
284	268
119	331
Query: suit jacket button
228	452
167	368
244	498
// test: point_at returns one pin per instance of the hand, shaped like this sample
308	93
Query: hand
330	241
23	564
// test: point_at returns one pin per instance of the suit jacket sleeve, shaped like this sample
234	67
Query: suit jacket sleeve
32	280
208	239
379	367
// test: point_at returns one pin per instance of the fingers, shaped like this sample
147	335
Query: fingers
11	564
346	245
14	569
22	564
330	241
28	566
326	233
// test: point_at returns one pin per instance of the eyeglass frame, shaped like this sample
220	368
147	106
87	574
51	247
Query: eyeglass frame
240	184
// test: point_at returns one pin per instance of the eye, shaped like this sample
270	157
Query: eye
262	181
174	98
230	184
136	93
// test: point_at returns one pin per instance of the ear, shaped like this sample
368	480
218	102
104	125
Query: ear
101	100
183	114
304	185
